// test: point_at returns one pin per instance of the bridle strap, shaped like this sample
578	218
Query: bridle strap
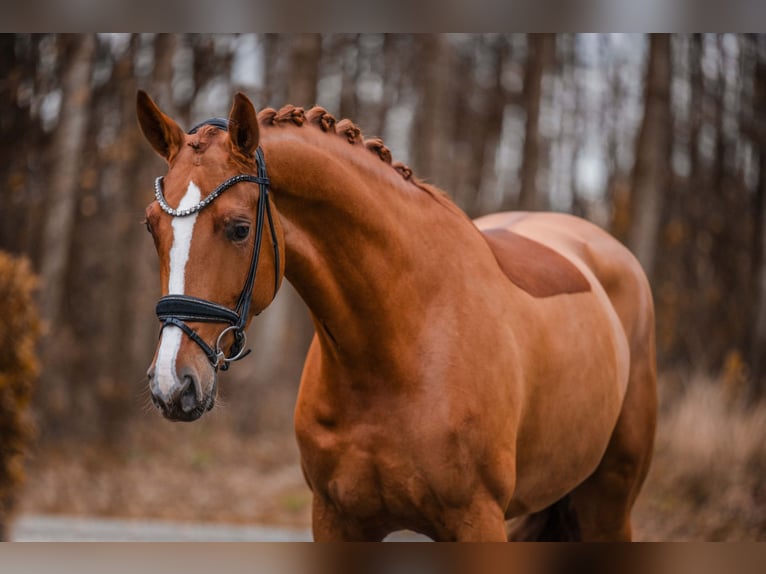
211	353
176	309
243	304
231	182
188	308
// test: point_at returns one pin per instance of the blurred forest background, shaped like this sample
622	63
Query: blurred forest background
659	139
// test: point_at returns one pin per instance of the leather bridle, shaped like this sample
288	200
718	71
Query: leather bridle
177	309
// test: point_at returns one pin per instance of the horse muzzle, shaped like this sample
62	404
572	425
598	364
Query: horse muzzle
183	399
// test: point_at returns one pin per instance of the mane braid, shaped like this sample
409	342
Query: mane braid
346	128
319	117
266	116
376	146
404	170
291	114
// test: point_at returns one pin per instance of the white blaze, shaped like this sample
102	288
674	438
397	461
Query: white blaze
170	343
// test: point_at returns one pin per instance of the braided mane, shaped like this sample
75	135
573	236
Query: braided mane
346	129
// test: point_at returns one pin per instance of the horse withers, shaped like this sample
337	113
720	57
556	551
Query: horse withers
462	373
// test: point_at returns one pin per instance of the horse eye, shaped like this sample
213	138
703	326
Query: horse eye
240	232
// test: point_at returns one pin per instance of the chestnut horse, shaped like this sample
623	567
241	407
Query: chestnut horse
462	373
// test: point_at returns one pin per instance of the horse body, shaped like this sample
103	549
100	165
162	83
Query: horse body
434	382
442	393
622	299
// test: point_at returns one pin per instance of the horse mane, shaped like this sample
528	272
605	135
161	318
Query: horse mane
318	117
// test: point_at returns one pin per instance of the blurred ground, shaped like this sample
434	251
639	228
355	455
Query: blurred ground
202	472
708	478
40	528
706	483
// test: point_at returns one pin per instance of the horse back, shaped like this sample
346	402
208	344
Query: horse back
550	251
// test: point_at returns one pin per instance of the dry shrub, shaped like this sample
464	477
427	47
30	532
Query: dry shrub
19	331
707	479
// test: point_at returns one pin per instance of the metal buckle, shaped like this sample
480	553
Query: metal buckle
220	356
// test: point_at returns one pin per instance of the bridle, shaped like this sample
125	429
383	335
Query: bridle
176	309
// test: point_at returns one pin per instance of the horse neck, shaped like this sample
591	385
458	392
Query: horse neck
366	250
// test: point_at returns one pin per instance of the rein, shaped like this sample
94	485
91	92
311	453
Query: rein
177	309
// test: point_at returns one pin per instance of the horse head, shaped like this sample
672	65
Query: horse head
218	245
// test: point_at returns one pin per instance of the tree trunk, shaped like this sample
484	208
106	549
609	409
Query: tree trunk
757	351
484	133
58	225
651	169
758	346
347	47
165	46
127	315
432	135
389	73
540	53
20	144
68	144
305	53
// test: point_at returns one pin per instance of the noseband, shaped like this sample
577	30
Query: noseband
177	309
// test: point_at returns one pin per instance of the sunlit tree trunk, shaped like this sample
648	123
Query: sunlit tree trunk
61	210
68	145
651	169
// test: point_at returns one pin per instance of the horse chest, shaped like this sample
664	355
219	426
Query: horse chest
361	476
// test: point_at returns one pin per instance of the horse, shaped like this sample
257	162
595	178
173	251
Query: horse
469	380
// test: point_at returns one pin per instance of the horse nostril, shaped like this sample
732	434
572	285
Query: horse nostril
188	396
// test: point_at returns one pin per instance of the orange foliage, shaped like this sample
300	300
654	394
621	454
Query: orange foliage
19	332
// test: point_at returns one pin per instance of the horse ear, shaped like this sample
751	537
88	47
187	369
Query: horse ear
165	135
243	125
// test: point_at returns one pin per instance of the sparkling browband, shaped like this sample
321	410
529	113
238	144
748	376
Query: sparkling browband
216	192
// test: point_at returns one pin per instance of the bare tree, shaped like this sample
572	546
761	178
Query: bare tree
21	143
651	168
58	226
540	53
757	349
483	127
433	119
305	53
59	223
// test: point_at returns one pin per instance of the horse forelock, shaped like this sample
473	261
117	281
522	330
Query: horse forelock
202	138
